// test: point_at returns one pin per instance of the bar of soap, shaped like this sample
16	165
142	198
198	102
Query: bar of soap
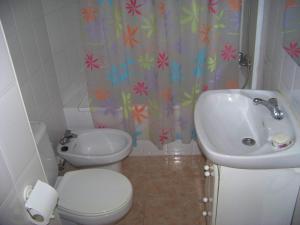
281	141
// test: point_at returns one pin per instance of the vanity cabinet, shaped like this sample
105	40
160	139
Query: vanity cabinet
248	197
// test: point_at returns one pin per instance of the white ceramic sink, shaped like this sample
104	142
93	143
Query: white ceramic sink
223	118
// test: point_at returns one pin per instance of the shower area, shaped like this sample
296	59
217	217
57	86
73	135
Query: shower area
140	65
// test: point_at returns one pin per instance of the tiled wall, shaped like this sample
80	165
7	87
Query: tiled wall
280	71
19	161
27	37
63	25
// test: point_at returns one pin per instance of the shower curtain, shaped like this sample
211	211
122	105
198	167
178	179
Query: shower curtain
147	61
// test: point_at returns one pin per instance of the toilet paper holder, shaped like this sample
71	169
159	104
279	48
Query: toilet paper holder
40	202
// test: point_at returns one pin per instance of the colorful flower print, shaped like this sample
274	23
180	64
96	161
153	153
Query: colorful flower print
212	63
200	63
121	73
190	98
234	5
139	113
191	16
140	88
138	132
162	8
118	22
175	72
231	84
162	60
91	62
211	6
228	53
126	100
204	33
146	61
89	14
102	94
293	49
101	125
167	95
163	136
290	4
205	87
132	7
219	20
129	38
149	26
101	2
111	107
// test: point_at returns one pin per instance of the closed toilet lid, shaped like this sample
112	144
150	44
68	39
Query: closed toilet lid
93	191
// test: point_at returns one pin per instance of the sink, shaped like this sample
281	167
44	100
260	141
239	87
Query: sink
235	132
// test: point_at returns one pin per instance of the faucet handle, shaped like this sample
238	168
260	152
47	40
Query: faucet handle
68	132
273	101
257	101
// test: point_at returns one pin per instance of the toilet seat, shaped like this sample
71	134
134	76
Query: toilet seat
94	194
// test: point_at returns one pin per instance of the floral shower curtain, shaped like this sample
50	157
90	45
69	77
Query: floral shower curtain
147	61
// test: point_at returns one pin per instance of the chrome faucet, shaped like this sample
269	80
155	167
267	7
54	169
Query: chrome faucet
67	137
243	60
272	106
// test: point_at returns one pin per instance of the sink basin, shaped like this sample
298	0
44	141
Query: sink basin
235	132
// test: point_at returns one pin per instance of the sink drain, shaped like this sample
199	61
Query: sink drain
248	141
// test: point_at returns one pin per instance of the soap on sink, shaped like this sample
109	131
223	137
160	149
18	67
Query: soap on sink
281	141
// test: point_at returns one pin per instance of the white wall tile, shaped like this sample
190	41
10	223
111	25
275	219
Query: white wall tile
31	173
56	32
35	9
17	55
63	25
6	79
282	72
12	115
12	210
28	41
42	40
52	5
287	75
5	178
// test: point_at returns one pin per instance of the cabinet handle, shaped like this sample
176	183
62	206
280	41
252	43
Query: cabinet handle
205	199
206	167
204	213
206	173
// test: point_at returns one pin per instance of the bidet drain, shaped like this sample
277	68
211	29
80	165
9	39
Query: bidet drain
248	141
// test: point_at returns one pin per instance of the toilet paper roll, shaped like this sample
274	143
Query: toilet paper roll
41	203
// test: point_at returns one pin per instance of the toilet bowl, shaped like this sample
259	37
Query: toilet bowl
96	147
102	197
88	196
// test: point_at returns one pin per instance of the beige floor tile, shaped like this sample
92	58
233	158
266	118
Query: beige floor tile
136	214
167	190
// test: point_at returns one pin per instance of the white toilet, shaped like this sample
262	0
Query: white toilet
87	196
97	147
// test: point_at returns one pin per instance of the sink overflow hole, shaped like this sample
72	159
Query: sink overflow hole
248	141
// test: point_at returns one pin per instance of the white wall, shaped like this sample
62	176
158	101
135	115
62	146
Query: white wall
19	160
63	25
27	37
280	71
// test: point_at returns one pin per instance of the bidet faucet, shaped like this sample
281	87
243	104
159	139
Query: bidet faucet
67	137
272	106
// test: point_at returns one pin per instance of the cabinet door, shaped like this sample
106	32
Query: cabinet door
210	190
256	197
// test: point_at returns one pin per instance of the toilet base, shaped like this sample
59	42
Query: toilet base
114	166
66	222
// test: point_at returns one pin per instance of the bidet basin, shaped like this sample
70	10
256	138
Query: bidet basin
235	132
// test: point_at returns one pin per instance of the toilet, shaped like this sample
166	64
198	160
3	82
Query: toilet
97	147
88	196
